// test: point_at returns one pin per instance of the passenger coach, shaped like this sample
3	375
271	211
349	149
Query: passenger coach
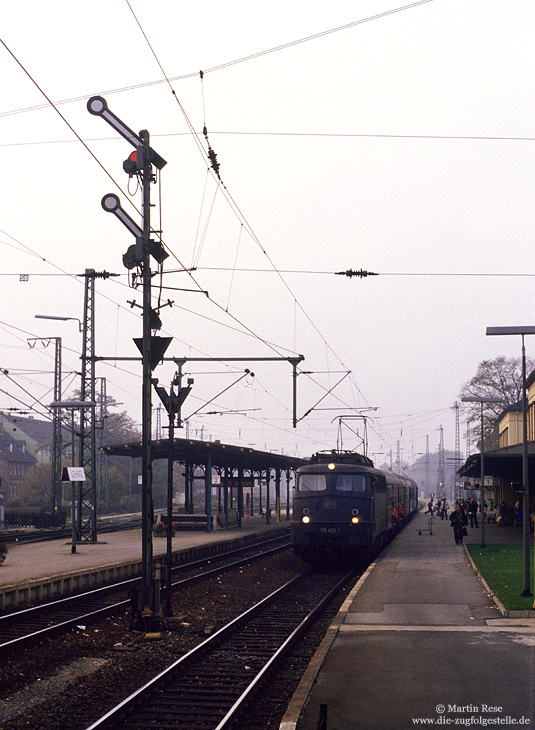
345	507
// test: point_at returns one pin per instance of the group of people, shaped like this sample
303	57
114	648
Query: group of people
438	508
463	512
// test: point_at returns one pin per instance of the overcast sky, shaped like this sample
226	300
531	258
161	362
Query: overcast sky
401	143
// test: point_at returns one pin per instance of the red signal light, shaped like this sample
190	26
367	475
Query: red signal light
130	164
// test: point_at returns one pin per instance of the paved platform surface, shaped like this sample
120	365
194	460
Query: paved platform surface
27	562
420	642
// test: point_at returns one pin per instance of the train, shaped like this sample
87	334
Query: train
346	509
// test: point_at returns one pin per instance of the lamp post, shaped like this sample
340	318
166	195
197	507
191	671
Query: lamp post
529	330
57	487
481	400
60	319
87	441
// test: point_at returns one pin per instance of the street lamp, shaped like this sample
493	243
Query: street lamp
72	405
60	319
481	400
87	443
529	330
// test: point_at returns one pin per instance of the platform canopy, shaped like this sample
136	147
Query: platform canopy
505	463
221	455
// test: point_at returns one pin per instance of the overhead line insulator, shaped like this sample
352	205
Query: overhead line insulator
361	273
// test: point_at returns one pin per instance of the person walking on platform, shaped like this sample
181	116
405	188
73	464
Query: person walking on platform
458	522
503	514
444	509
430	507
472	513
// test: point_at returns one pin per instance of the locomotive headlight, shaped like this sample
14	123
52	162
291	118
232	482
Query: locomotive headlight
354	520
306	519
331	466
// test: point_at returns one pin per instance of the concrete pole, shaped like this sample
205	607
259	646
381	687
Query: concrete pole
525	483
483	515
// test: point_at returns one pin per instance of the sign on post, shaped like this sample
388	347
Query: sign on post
76	473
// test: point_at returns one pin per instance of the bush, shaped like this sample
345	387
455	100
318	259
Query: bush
3	552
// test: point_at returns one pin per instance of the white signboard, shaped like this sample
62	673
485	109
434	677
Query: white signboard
489	482
76	473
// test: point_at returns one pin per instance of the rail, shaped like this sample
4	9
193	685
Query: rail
20	628
212	684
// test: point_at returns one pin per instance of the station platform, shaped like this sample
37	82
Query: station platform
42	569
420	641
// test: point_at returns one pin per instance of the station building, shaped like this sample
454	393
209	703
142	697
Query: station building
15	462
504	465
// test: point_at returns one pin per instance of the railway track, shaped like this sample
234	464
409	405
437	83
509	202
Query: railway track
208	688
21	628
29	536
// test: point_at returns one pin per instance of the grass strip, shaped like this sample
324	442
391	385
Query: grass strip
503	569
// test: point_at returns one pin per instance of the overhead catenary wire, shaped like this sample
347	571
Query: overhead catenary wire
237	210
378	273
229	197
36	400
225	65
227	303
23	403
487	274
221	324
341	135
246	373
115	365
5	372
128	309
234	268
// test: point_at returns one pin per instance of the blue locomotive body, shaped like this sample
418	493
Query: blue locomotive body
345	507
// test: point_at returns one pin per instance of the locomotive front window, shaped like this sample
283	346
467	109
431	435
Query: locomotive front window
312	483
350	483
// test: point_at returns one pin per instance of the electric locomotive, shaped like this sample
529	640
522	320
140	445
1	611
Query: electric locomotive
346	508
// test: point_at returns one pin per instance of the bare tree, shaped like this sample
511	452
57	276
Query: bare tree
499	378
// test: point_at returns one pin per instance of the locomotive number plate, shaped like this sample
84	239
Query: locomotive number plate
330	530
329	504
